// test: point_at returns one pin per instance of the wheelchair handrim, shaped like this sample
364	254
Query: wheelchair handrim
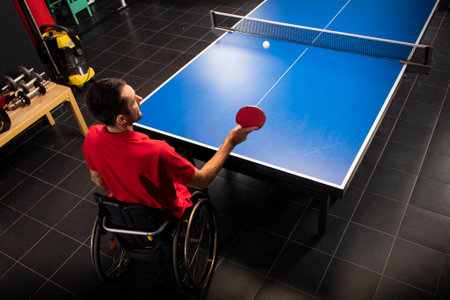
212	220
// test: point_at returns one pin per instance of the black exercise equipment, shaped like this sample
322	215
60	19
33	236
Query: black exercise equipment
11	84
35	80
23	98
5	121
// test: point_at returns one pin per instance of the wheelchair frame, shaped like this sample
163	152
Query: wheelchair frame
194	241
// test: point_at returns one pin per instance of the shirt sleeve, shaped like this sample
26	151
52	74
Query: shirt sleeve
178	169
86	151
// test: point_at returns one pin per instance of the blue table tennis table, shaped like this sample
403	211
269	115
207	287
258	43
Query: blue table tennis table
322	106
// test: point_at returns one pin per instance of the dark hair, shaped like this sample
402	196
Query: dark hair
104	100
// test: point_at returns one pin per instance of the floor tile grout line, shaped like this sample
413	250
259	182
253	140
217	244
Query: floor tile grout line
410	194
15	186
441	272
50	228
28	175
227	259
48	148
406	144
48	279
379	273
245	223
131	71
58	151
15	261
403	202
53	227
267	275
289	286
408	284
360	197
35	169
31	247
53	187
406	204
25	213
59	182
439	27
25	266
148	59
319	250
160	31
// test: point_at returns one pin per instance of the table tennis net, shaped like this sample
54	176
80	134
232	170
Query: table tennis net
382	48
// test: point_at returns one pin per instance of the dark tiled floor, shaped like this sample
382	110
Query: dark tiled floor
388	237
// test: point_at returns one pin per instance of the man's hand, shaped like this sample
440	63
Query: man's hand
202	178
239	134
97	179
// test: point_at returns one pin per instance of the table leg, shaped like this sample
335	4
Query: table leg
323	213
50	119
77	113
123	4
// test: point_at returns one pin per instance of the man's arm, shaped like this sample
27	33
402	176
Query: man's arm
202	178
97	179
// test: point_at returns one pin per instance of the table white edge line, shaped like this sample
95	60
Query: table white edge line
301	55
362	149
380	116
334	185
371	134
428	21
323	30
188	63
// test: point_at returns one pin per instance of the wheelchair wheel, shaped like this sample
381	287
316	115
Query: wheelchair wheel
195	245
109	259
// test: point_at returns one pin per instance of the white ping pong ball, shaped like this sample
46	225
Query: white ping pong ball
266	44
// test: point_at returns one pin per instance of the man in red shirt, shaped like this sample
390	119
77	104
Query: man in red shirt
136	168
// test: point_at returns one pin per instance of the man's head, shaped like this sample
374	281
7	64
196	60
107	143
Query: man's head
113	102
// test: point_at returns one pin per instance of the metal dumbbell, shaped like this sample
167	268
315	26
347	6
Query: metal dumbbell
23	98
11	84
36	81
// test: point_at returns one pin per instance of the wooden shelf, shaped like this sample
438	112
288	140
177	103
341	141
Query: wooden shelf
23	117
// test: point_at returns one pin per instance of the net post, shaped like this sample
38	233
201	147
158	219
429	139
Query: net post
212	16
416	68
323	38
214	28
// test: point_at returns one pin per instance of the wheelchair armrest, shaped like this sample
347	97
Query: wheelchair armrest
136	232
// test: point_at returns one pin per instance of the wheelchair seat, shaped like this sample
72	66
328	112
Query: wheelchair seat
123	216
125	231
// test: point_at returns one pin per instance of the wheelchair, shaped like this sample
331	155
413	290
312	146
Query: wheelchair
125	232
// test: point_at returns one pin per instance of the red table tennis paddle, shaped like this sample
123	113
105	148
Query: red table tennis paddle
250	116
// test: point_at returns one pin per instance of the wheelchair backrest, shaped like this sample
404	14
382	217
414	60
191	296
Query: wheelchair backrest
124	215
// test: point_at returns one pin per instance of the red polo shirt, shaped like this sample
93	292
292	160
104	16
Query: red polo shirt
139	170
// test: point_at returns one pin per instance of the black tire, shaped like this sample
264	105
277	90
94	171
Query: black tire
195	246
178	255
201	243
109	259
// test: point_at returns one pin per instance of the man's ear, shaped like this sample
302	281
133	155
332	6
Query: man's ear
120	119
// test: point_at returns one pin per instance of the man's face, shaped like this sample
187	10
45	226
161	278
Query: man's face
133	104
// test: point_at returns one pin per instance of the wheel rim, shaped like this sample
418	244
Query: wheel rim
200	244
109	260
